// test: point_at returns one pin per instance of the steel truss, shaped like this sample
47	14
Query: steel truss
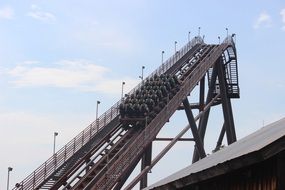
213	99
104	155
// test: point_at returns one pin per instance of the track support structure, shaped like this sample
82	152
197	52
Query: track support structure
104	155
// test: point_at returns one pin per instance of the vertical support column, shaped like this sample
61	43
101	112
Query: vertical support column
232	118
202	94
146	161
193	126
226	104
204	118
221	137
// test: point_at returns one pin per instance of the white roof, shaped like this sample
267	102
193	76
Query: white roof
251	143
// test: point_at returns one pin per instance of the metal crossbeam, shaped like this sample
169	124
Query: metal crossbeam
204	119
167	148
170	139
193	126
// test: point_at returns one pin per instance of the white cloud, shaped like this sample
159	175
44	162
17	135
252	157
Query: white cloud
62	74
6	13
263	20
282	13
38	14
78	74
95	34
30	62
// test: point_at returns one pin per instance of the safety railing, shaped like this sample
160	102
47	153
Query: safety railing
50	166
229	40
233	86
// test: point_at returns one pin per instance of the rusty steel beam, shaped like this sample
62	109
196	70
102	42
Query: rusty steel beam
192	123
197	105
221	137
192	106
167	148
202	94
145	161
170	139
204	119
226	104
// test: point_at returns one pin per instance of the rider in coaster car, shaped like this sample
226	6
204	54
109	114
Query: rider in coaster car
156	77
154	97
163	90
128	109
167	85
150	103
122	110
159	94
137	92
136	109
144	109
152	115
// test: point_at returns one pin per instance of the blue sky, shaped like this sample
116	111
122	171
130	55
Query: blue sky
57	58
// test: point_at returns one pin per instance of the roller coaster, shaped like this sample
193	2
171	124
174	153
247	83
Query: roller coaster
105	153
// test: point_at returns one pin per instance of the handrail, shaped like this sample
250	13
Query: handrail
44	171
229	40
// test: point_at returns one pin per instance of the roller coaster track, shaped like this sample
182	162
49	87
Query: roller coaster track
104	154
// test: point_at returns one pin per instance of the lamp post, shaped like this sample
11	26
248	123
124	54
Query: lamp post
141	77
175	43
54	139
219	39
8	179
234	36
98	102
162	60
199	28
97	107
123	83
227	39
189	36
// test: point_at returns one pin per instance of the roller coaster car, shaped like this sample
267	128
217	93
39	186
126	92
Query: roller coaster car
128	122
132	120
142	106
